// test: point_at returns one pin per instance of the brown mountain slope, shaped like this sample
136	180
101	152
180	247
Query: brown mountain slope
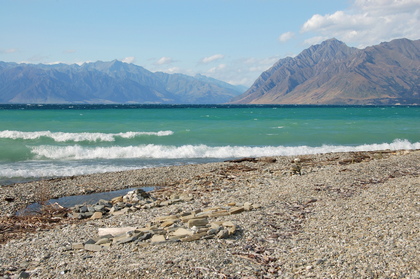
333	73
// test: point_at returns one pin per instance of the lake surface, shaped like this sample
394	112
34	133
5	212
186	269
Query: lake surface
40	141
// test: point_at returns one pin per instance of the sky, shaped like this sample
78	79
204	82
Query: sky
230	40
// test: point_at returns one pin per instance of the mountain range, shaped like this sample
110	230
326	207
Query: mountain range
107	82
333	73
326	73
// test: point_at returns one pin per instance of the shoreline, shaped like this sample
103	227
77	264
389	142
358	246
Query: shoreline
348	215
25	193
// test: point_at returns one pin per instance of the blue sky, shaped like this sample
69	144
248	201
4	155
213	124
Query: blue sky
231	40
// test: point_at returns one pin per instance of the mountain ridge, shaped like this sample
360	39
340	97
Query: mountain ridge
105	82
333	73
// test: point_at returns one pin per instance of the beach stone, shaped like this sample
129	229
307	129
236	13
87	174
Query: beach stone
185	219
223	234
248	206
214	231
23	274
157	238
96	215
115	231
230	227
103	241
120	212
117	200
166	218
144	236
125	239
95	247
167	224
86	215
77	245
104	203
197	222
194	237
166	203
216	224
219	213
90	241
182	232
236	210
99	208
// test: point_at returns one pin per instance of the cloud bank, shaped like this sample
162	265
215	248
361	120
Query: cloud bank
367	22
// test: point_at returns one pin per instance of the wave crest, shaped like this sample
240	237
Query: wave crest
78	137
77	152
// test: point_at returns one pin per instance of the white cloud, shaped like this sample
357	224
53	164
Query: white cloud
9	50
286	36
217	68
212	58
129	60
368	22
164	60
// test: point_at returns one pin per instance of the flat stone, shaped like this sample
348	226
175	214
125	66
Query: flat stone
167	224
96	215
166	203
126	239
114	231
216	225
194	237
86	215
77	245
90	241
219	213
123	211
144	237
187	218
197	222
157	238
103	241
236	210
213	231
182	232
24	274
95	247
167	218
117	200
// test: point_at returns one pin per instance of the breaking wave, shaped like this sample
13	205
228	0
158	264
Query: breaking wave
78	137
77	152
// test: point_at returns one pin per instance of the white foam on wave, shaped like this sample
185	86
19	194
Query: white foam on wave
77	152
53	170
78	137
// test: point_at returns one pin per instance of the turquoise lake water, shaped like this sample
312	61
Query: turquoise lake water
39	141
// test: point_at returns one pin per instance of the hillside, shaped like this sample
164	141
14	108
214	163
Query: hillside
333	73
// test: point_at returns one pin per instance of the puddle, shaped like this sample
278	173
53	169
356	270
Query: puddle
71	201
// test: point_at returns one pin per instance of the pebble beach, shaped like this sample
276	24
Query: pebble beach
345	215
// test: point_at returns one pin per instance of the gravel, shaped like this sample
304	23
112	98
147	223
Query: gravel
349	215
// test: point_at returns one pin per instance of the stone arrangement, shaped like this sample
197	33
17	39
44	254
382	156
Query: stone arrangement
182	227
132	201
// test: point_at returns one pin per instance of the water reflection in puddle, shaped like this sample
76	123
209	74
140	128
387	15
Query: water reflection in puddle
71	201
